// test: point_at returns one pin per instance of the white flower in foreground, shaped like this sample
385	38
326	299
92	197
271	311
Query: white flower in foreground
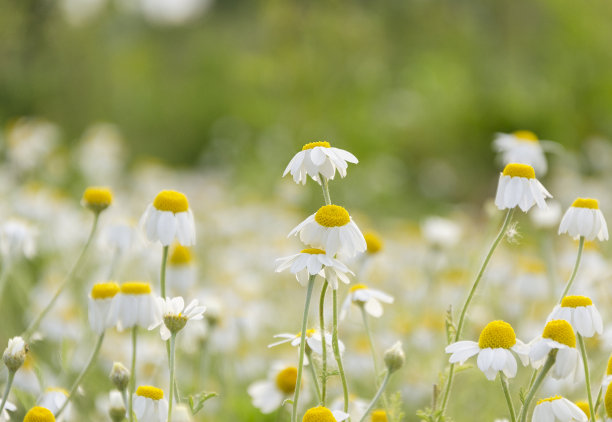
584	218
558	334
557	408
15	354
331	228
53	399
134	305
318	159
494	347
519	187
169	218
523	147
314	262
175	315
268	395
100	300
370	299
39	414
17	238
313	340
149	404
580	312
323	414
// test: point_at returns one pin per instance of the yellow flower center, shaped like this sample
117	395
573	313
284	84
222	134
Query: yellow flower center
319	414
560	331
584	406
150	392
313	251
497	335
357	287
379	416
332	216
170	200
525	135
586	203
97	198
135	288
309	333
39	414
575	301
312	145
286	379
609	367
104	290
180	255
374	242
519	170
608	400
553	398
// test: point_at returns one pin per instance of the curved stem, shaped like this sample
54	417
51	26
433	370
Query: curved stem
132	386
550	361
385	381
298	381
504	383
79	378
325	187
377	374
34	325
171	389
162	274
598	401
336	348
498	238
576	265
323	344
9	384
313	373
587	375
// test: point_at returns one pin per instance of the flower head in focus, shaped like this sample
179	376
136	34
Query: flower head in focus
316	262
584	218
557	335
175	315
559	409
518	187
318	159
169	218
323	414
580	312
97	199
149	404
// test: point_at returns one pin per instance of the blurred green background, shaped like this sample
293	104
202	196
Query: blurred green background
416	89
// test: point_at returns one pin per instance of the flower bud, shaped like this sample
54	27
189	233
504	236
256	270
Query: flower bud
117	407
120	376
15	353
394	357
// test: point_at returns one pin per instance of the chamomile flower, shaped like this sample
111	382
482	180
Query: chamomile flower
558	334
519	187
557	408
370	299
313	340
134	305
100	300
374	243
53	399
494	347
314	262
331	228
584	406
521	146
97	199
149	404
17	238
608	403
584	218
580	312
323	414
39	414
181	271
318	159
268	395
168	219
175	315
15	353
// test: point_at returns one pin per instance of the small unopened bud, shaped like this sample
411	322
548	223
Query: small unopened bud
15	353
117	407
120	376
394	357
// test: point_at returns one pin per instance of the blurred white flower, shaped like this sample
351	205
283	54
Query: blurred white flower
440	231
370	299
547	218
100	300
318	159
268	395
313	341
311	262
31	141
134	305
53	399
558	334
17	238
521	147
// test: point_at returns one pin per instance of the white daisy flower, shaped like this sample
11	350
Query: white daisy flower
557	408
39	414
558	334
175	315
97	198
519	187
314	261
53	399
100	300
332	229
584	218
181	271
313	340
580	312
608	376
149	404
15	353
547	218
134	305
494	347
370	299
441	232
523	147
323	414
17	238
268	395
584	406
318	159
169	218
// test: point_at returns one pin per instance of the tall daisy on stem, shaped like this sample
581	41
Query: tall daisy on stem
517	187
14	356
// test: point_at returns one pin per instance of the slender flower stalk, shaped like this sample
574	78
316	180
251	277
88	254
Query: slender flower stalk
323	344
504	383
298	381
69	278
377	373
172	364
162	274
325	187
550	361
483	267
336	348
575	270
598	401
587	376
132	385
313	373
80	377
381	389
9	384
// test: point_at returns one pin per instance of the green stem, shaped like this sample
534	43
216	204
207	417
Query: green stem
171	389
534	375
451	371
298	381
550	361
323	344
587	376
576	265
366	324
132	386
9	384
325	186
336	348
34	325
162	275
313	372
80	377
376	397
504	383
598	401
